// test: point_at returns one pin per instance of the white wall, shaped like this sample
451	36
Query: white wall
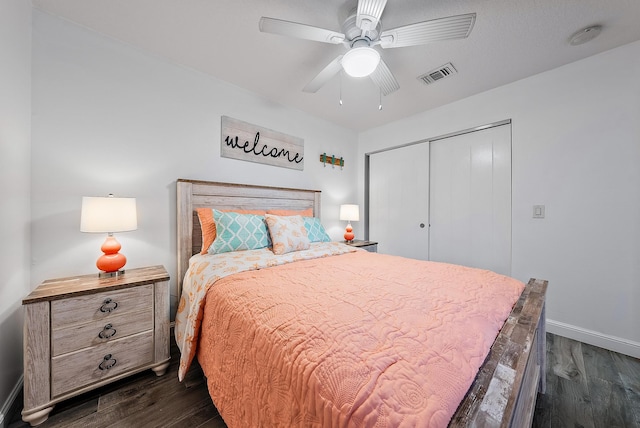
576	149
110	118
15	136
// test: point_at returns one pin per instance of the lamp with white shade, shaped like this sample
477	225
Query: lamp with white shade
349	213
109	215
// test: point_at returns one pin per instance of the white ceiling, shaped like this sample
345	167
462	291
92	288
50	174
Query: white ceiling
511	39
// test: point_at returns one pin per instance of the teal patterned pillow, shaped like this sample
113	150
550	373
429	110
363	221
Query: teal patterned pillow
315	230
236	232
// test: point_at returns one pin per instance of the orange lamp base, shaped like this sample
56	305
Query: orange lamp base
349	235
111	261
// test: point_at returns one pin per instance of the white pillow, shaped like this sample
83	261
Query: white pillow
287	233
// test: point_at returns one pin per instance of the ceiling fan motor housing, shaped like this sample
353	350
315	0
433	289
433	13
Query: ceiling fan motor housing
353	32
361	42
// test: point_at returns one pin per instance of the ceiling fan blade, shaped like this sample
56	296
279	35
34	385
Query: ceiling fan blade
323	77
452	27
383	77
299	31
368	13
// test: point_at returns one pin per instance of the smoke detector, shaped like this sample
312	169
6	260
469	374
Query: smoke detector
585	35
437	74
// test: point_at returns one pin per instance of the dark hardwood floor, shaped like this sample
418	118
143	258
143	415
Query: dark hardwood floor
586	387
140	401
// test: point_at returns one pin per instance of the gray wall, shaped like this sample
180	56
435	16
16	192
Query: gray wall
15	216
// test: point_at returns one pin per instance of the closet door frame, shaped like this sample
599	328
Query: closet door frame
367	170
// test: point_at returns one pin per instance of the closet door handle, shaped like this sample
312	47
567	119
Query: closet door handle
421	225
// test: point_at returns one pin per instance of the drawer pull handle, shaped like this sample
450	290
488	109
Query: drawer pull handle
107	363
108	305
107	332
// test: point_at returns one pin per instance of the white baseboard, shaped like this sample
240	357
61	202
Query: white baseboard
594	338
7	405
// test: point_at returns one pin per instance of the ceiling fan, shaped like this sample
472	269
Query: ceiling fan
361	33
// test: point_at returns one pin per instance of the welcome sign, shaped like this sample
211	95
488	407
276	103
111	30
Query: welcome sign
244	141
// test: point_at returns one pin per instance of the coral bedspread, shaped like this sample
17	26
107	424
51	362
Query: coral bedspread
358	339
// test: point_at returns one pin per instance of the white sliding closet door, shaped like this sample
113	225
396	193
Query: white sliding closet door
399	201
470	192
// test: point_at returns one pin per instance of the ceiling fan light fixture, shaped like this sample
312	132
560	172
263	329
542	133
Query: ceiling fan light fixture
360	62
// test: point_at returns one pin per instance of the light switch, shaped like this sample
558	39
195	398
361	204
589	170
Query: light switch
538	211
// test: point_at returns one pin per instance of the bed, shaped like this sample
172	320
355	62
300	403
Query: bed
503	386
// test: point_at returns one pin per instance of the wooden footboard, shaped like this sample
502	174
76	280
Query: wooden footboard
504	391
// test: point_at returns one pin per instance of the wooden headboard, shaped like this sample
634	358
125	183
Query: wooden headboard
192	194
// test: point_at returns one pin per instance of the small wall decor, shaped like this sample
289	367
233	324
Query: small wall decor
332	160
247	142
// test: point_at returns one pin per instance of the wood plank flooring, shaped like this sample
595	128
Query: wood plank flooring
141	401
586	387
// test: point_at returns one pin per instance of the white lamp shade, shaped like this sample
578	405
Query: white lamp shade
360	62
108	214
349	212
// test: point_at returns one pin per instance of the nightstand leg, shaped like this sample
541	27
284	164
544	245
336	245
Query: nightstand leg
36	418
161	369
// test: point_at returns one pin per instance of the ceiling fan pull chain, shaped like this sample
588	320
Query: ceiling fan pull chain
380	105
340	88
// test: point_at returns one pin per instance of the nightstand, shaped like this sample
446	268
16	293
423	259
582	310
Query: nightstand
84	332
370	246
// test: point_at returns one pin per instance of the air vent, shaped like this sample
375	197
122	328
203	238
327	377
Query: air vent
438	74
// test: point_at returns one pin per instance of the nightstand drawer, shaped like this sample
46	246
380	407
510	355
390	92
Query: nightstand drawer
75	337
79	369
100	306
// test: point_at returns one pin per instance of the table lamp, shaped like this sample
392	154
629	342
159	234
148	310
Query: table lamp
109	215
349	212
